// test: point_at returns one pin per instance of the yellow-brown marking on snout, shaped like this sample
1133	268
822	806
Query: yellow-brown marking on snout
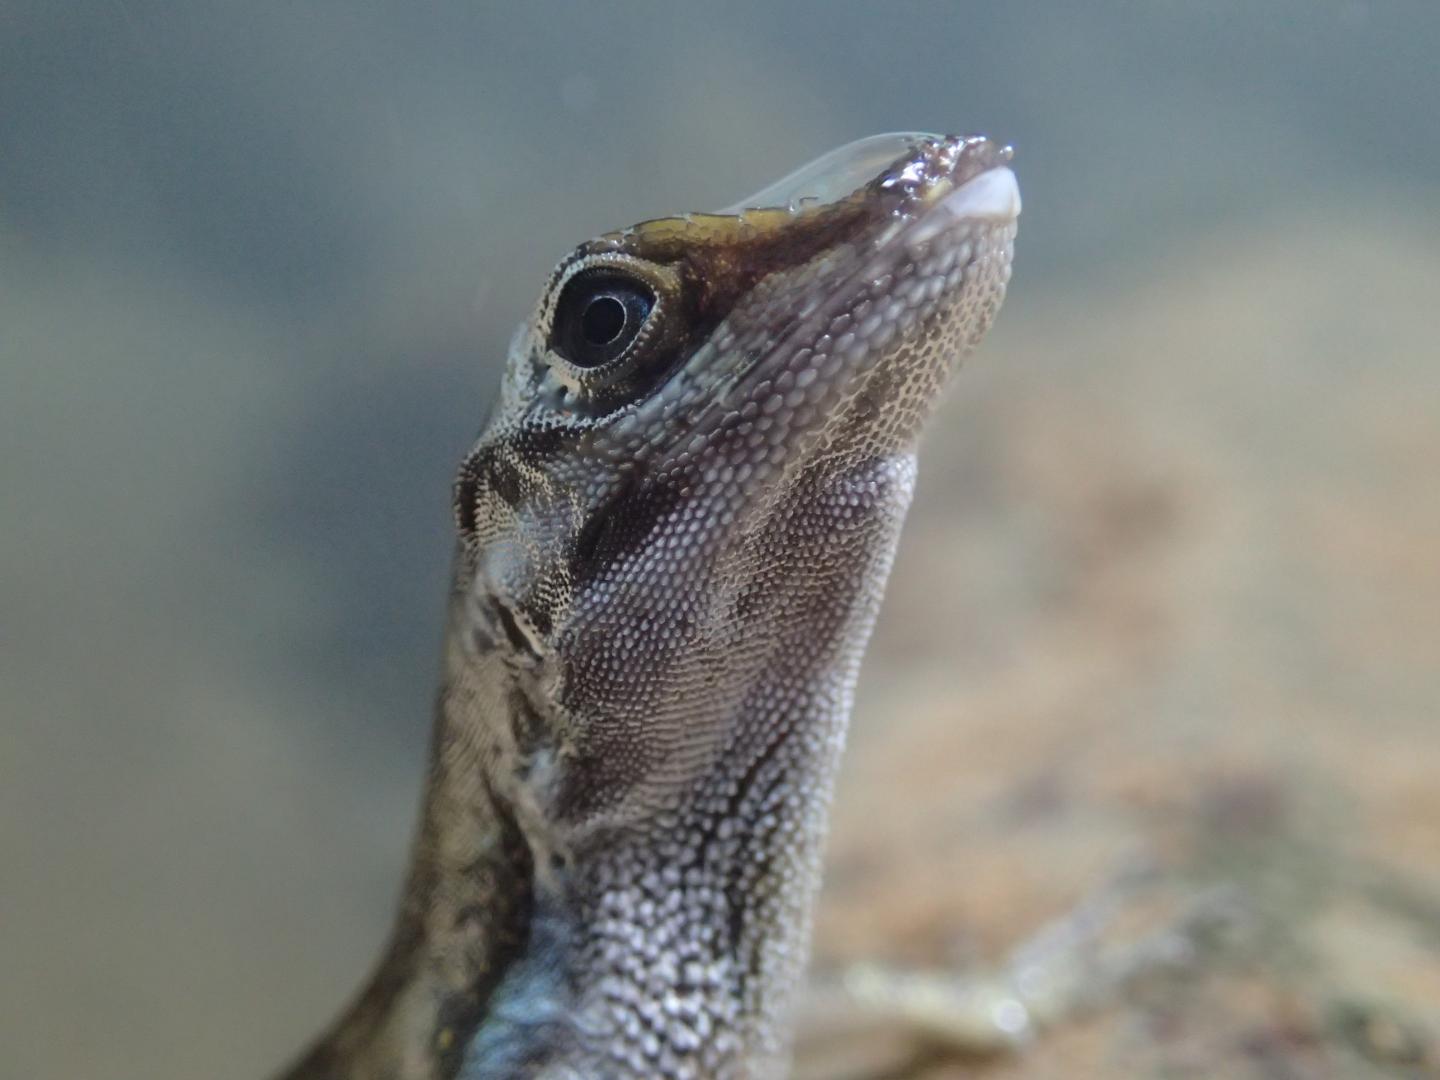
721	257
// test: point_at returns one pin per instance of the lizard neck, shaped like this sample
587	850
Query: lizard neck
672	945
673	949
664	945
676	950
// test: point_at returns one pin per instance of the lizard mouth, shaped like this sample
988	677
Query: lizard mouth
911	234
993	195
911	268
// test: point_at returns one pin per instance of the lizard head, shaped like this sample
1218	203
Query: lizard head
683	508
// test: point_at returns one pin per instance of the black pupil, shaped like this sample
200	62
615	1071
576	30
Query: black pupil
598	316
603	320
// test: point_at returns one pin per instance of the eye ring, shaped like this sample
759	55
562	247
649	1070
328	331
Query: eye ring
611	318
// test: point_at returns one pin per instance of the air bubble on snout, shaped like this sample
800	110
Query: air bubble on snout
834	175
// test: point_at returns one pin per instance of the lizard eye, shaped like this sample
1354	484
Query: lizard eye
614	323
599	315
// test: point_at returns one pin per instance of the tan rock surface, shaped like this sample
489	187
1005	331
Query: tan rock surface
1171	597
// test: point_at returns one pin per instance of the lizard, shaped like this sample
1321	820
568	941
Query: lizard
674	534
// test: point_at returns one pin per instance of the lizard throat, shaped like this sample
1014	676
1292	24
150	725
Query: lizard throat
672	944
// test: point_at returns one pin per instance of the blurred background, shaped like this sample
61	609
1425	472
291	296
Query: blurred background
1170	595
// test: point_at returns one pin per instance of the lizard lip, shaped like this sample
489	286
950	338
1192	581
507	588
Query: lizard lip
992	196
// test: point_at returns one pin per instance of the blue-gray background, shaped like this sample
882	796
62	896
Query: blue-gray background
258	263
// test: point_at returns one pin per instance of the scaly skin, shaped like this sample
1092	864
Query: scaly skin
674	535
